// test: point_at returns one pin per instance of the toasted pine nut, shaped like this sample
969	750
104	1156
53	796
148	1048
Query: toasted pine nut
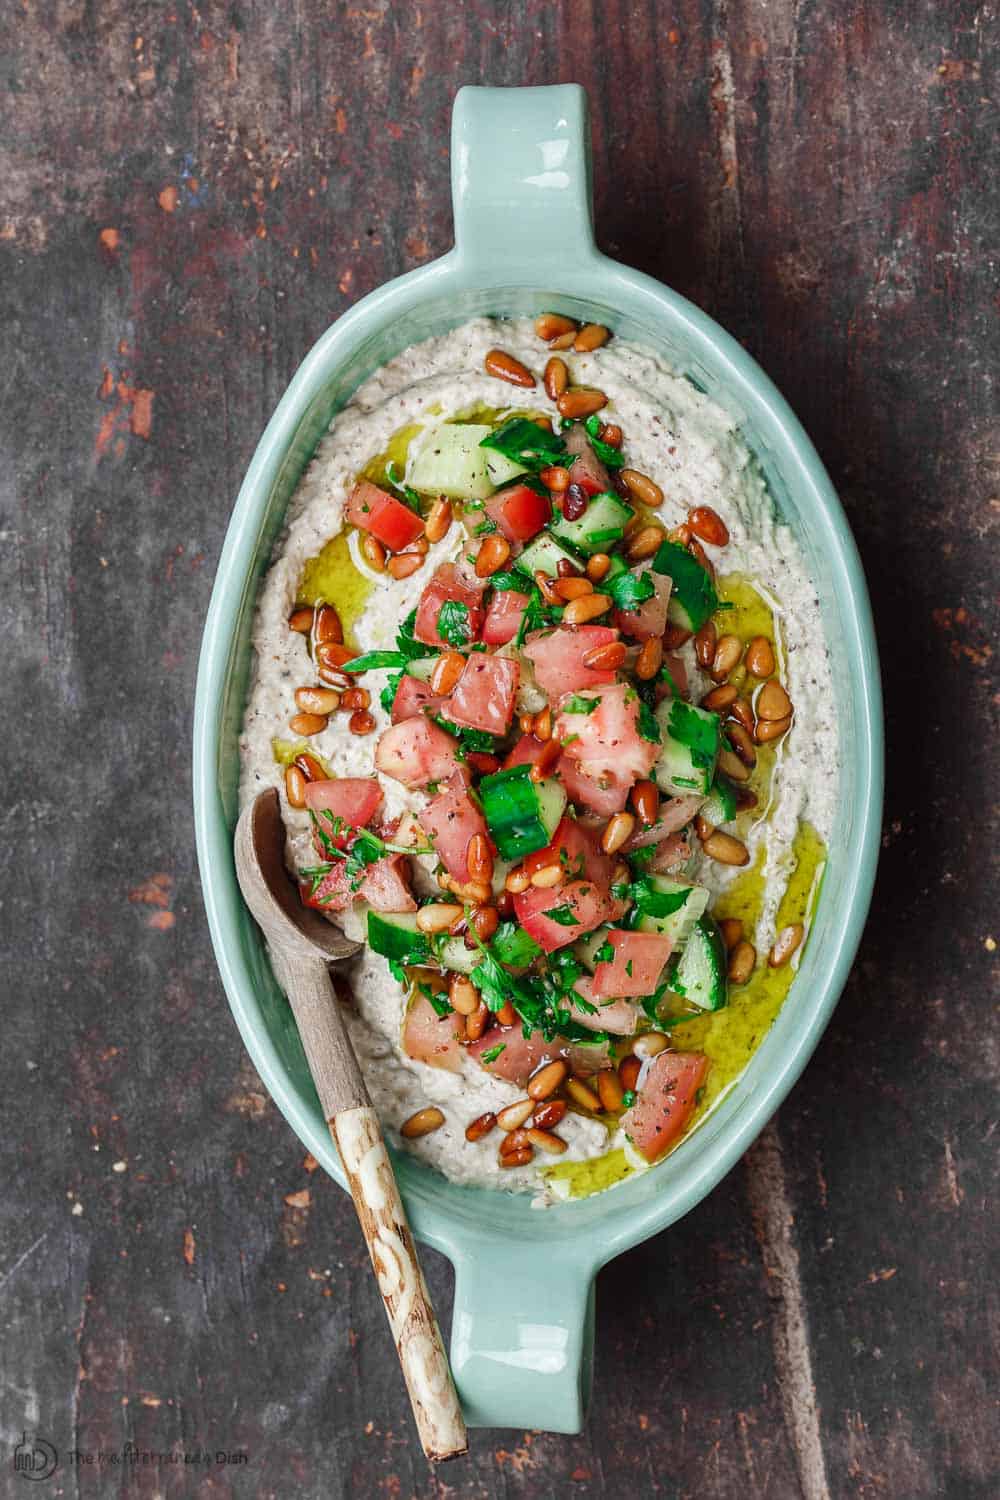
574	588
548	877
479	858
492	554
331	654
563	340
404	564
547	587
699	554
771	729
447	670
547	1079
476	1024
741	962
772	701
438	917
482	761
606	658
295	787
645	542
731	765
307	724
745	799
742	743
317	700
506	1015
327	626
731	929
704	645
475	892
709	525
555	378
590	337
680	534
480	1126
550	753
727	655
555	478
542	725
589	607
611	434
741	711
628	1071
373	552
361	722
310	767
525	723
552	325
439	519
720	697
702	827
581	402
549	1113
484	920
517	880
597	566
609	1090
650	1044
462	993
642	488
726	850
356	697
301	620
617	832
760	657
645	798
515	1114
505	367
785	944
519	1158
650	658
422	1123
582	1095
674	637
544	1140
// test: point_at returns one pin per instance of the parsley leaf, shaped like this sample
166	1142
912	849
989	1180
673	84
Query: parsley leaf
697	730
492	1053
651	902
406	642
646	723
512	945
395	478
577	704
563	915
374	659
629	590
605	954
388	693
524	442
453	623
610	457
628	1098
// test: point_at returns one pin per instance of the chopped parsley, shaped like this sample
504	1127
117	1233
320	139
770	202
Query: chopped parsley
577	704
629	590
388	694
563	915
524	442
605	954
512	945
628	1098
453	623
492	1053
646	723
610	457
395	478
406	642
375	659
697	730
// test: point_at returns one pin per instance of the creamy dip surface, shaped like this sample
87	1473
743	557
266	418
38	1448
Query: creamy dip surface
693	450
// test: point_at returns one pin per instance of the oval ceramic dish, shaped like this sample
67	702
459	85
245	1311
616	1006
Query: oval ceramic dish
522	1334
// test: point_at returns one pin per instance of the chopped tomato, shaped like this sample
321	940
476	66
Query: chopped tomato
449	582
606	741
412	697
651	617
673	815
352	798
636	967
416	752
450	820
557	657
677	668
666	1101
525	752
387	518
430	1038
617	1016
521	1055
504	616
605	795
581	900
483	697
586	469
520	512
579	853
384	886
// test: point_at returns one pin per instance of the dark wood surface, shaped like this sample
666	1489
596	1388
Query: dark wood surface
188	196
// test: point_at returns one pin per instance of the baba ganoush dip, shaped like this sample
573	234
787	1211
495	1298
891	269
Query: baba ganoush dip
541	679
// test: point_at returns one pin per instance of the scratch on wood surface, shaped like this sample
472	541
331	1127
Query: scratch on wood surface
25	1255
773	1222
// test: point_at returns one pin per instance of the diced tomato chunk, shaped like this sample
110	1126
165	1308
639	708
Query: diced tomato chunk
430	1038
416	752
665	1102
525	752
620	1017
636	967
606	795
354	799
607	740
557	657
582	899
579	853
504	616
520	512
387	518
449	583
586	469
651	617
450	820
385	887
412	697
522	1055
483	697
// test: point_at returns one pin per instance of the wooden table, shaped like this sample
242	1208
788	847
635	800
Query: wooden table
187	198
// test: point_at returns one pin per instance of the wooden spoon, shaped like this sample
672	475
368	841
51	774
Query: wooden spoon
302	943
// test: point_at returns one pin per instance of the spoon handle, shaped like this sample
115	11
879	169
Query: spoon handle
357	1134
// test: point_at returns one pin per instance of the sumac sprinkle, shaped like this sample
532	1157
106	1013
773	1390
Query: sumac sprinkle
574	502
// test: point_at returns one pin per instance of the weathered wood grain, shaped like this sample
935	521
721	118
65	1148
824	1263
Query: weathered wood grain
187	198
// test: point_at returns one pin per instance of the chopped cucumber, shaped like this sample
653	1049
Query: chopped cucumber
422	667
545	554
700	972
721	805
451	462
689	748
693	599
670	907
587	949
453	954
522	815
501	469
599	528
396	937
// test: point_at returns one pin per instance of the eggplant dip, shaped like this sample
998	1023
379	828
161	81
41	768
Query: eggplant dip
541	679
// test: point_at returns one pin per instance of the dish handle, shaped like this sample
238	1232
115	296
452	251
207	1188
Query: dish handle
521	181
522	1338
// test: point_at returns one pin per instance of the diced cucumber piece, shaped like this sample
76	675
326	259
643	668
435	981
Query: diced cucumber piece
451	462
689	748
396	937
669	907
522	815
700	972
454	955
422	667
545	554
587	949
500	468
721	805
598	529
693	599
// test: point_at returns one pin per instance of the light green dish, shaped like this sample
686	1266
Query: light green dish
523	1328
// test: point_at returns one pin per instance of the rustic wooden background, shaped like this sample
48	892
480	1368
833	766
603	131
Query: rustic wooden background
188	196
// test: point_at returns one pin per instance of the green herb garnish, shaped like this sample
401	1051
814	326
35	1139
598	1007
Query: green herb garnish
453	623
